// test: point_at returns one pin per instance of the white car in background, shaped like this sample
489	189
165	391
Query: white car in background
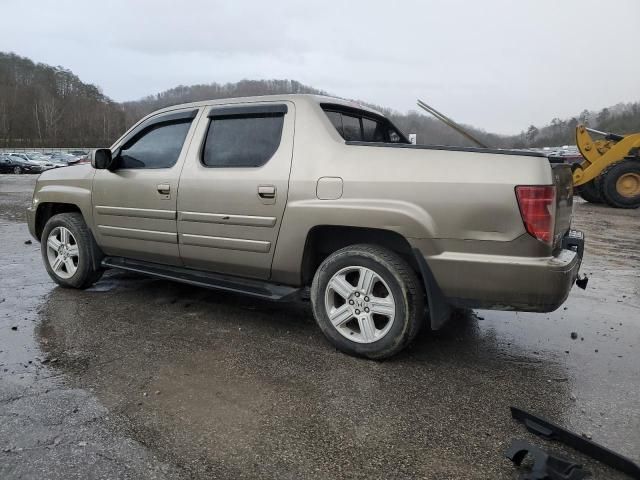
34	158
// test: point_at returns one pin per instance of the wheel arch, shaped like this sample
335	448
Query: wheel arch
46	210
323	240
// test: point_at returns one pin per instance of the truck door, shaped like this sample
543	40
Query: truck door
134	204
233	188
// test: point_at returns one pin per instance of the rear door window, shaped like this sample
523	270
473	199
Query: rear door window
242	141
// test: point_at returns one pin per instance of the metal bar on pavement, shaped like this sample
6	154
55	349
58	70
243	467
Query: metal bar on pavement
550	431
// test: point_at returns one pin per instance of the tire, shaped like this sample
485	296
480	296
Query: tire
619	184
17	170
71	263
394	301
589	192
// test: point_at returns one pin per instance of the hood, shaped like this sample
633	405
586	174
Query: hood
80	171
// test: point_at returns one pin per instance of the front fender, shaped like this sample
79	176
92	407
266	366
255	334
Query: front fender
67	186
65	194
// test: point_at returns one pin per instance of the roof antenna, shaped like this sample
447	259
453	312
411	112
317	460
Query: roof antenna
447	121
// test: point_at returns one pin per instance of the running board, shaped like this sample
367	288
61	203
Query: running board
254	288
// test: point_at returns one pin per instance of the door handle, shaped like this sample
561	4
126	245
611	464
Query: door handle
164	189
267	191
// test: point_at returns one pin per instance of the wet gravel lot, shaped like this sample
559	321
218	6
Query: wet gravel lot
143	378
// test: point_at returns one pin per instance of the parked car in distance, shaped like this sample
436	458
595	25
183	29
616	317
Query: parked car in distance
80	160
34	158
18	165
280	196
43	159
57	162
60	159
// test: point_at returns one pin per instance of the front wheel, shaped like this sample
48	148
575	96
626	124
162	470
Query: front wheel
69	251
17	170
367	301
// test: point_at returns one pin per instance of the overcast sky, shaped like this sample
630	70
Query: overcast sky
496	64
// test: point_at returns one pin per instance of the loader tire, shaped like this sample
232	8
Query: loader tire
589	192
619	184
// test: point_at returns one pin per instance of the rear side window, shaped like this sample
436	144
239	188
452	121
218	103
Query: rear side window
158	147
336	120
372	131
351	128
361	126
242	141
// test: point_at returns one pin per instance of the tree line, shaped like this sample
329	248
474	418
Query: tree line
622	118
45	106
135	110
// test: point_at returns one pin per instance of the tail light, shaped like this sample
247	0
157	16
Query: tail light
537	207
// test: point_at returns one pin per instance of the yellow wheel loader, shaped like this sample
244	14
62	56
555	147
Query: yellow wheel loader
610	171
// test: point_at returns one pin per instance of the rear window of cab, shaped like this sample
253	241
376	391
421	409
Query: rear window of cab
361	126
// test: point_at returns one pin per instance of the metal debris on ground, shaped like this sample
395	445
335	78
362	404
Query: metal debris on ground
545	466
582	281
550	431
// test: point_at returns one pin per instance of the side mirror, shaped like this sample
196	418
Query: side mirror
101	158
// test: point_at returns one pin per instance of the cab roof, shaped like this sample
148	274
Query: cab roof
295	98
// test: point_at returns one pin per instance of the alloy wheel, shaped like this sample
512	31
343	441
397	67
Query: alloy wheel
62	252
359	304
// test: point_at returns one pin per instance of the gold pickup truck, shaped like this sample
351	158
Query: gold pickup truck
279	196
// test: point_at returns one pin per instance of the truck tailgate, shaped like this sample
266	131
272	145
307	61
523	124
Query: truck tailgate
563	181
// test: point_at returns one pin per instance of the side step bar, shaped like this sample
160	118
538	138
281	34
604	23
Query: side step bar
254	288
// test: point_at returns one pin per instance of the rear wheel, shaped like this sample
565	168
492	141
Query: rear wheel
367	301
69	251
589	192
619	184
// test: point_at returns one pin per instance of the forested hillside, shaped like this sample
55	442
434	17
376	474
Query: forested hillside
212	91
41	105
49	106
622	118
429	130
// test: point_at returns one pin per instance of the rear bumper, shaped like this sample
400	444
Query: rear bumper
498	282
